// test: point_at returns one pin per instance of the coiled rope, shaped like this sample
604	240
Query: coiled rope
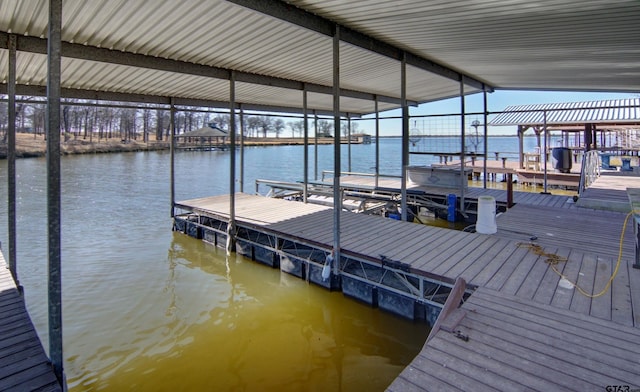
553	260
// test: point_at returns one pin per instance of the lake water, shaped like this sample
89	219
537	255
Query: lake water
148	309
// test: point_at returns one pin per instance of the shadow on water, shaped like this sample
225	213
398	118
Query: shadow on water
228	323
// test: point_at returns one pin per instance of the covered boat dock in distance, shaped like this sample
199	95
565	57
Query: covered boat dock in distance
611	126
302	56
210	137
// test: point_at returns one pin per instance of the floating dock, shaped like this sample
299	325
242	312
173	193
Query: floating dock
24	366
411	269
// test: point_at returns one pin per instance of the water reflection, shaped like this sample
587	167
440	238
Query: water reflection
228	323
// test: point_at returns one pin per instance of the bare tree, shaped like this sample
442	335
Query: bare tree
265	124
296	126
324	128
278	126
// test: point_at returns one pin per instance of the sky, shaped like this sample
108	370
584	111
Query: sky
496	101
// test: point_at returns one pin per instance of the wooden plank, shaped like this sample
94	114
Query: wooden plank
480	274
601	305
506	269
434	252
29	379
586	277
531	284
23	363
634	288
621	302
470	371
520	273
454	264
583	322
546	289
549	335
463	255
482	258
548	356
439	367
424	374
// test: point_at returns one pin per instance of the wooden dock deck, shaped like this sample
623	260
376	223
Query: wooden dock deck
24	365
609	191
506	343
495	266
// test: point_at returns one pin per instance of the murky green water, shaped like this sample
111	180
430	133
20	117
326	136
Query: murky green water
147	309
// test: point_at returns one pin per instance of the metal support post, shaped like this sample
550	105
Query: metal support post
486	138
405	136
337	197
232	164
241	134
11	160
462	144
54	189
172	154
377	141
306	145
546	157
349	141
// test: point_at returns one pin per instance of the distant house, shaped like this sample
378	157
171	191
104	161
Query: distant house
362	138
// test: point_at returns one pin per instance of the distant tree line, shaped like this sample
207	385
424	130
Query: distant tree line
88	122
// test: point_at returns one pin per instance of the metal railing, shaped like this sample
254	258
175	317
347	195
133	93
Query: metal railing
590	170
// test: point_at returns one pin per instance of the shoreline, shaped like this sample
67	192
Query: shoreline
30	146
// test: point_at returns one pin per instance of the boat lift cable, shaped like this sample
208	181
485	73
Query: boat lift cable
553	260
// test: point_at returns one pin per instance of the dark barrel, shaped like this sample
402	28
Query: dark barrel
561	159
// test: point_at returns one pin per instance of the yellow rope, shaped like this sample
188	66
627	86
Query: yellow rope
553	259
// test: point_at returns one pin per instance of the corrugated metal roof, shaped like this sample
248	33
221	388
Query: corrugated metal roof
550	44
620	111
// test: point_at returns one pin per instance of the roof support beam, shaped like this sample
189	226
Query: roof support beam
92	53
93	95
300	17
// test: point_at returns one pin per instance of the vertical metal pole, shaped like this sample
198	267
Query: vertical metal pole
349	139
405	136
377	141
232	164
486	138
241	149
521	130
306	145
315	151
462	144
546	158
11	159
337	196
172	153
54	188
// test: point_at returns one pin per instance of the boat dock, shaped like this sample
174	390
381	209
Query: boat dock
411	270
24	366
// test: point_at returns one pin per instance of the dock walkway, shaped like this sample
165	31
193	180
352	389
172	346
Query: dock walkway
506	277
24	366
506	343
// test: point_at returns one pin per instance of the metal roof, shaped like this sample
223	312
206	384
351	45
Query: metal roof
619	111
187	49
207	131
